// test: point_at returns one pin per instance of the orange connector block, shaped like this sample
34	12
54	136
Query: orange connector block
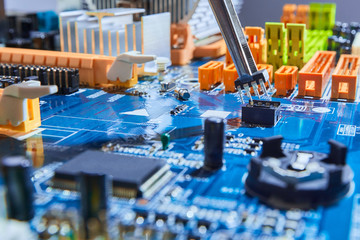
210	74
257	43
288	14
182	44
302	14
230	75
285	80
344	78
314	76
33	120
92	68
269	68
183	48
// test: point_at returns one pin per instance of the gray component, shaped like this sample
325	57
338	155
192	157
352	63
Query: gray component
122	41
156	37
130	37
138	34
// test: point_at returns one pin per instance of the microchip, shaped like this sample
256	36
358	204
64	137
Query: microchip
132	176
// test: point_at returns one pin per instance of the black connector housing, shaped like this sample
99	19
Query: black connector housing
264	113
288	179
67	79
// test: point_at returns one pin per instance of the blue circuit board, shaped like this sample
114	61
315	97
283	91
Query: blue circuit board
130	124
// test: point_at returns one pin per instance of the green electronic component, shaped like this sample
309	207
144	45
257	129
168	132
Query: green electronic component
276	39
322	16
316	40
296	35
165	140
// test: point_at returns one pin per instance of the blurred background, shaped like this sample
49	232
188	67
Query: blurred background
253	12
35	24
257	12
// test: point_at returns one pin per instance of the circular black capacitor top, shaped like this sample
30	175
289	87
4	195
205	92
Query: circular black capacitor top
19	188
214	139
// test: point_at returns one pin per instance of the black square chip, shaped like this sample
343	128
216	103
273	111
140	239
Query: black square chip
133	176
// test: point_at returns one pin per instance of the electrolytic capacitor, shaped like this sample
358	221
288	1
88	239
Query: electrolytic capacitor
19	188
94	191
214	139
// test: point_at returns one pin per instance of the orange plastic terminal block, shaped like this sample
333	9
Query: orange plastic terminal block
285	80
288	14
182	44
212	50
210	74
33	120
314	76
92	68
257	43
344	78
230	75
183	48
269	68
302	14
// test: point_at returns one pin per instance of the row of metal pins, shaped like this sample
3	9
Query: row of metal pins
263	88
241	95
256	90
247	91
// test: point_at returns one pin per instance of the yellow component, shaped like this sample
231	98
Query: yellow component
296	35
276	40
33	121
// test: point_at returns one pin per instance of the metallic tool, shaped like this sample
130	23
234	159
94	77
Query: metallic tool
231	29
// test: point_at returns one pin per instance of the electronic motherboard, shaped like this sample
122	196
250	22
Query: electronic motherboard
168	159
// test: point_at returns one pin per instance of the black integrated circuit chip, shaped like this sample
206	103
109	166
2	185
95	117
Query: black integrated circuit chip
132	176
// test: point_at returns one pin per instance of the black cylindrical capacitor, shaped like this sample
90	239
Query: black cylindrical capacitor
94	191
214	139
19	188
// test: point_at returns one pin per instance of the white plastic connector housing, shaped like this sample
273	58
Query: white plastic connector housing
122	67
13	101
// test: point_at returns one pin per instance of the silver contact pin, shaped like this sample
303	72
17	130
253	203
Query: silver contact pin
263	88
241	95
256	89
271	88
237	44
247	91
250	98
